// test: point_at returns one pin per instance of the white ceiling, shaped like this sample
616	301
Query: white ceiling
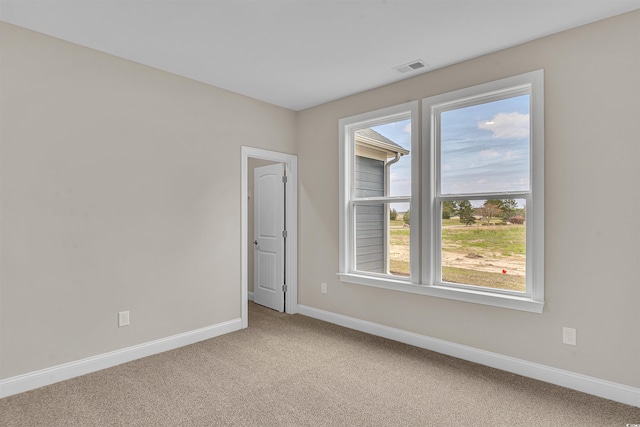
301	53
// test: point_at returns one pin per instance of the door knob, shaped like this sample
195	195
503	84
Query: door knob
255	242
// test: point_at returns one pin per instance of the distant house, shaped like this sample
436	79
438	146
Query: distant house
374	154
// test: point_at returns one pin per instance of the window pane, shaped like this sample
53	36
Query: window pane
484	243
484	148
383	160
382	240
399	240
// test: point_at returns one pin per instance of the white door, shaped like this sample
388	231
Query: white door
269	236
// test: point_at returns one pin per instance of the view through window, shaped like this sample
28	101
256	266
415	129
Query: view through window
382	185
484	155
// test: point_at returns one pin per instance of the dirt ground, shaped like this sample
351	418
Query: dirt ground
513	265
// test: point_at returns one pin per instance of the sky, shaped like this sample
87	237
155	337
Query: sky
400	180
484	148
400	133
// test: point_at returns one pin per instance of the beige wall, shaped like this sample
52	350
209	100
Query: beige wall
120	191
592	236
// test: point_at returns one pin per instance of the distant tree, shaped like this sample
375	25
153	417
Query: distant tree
393	214
509	208
465	212
449	209
406	218
490	209
522	212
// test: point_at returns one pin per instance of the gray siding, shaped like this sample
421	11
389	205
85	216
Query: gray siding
370	232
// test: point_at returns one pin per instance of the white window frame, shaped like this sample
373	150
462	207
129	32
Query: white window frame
348	201
532	83
426	228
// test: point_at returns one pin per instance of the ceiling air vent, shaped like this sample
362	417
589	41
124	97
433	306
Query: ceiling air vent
412	66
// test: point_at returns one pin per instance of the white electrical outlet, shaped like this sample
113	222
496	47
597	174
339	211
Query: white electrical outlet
123	318
323	288
569	336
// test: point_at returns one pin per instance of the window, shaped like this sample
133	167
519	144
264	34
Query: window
378	156
477	182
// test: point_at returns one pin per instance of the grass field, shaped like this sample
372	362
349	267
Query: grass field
482	255
399	248
483	278
505	240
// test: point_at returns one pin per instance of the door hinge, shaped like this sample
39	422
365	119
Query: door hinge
284	179
284	233
284	288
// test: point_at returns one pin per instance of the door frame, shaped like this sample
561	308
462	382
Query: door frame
290	162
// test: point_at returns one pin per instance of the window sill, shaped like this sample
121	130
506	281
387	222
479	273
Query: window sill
473	296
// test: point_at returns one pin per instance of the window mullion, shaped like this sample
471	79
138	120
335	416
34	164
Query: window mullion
377	200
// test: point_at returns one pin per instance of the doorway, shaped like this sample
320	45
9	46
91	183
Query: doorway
290	163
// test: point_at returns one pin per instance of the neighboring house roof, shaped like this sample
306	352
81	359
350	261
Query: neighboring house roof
371	138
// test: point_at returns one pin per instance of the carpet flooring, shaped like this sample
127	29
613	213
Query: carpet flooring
291	370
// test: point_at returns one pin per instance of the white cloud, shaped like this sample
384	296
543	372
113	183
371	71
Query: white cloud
407	128
489	154
398	178
507	125
511	154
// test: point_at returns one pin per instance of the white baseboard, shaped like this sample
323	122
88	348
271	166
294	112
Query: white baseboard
250	296
36	379
606	389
